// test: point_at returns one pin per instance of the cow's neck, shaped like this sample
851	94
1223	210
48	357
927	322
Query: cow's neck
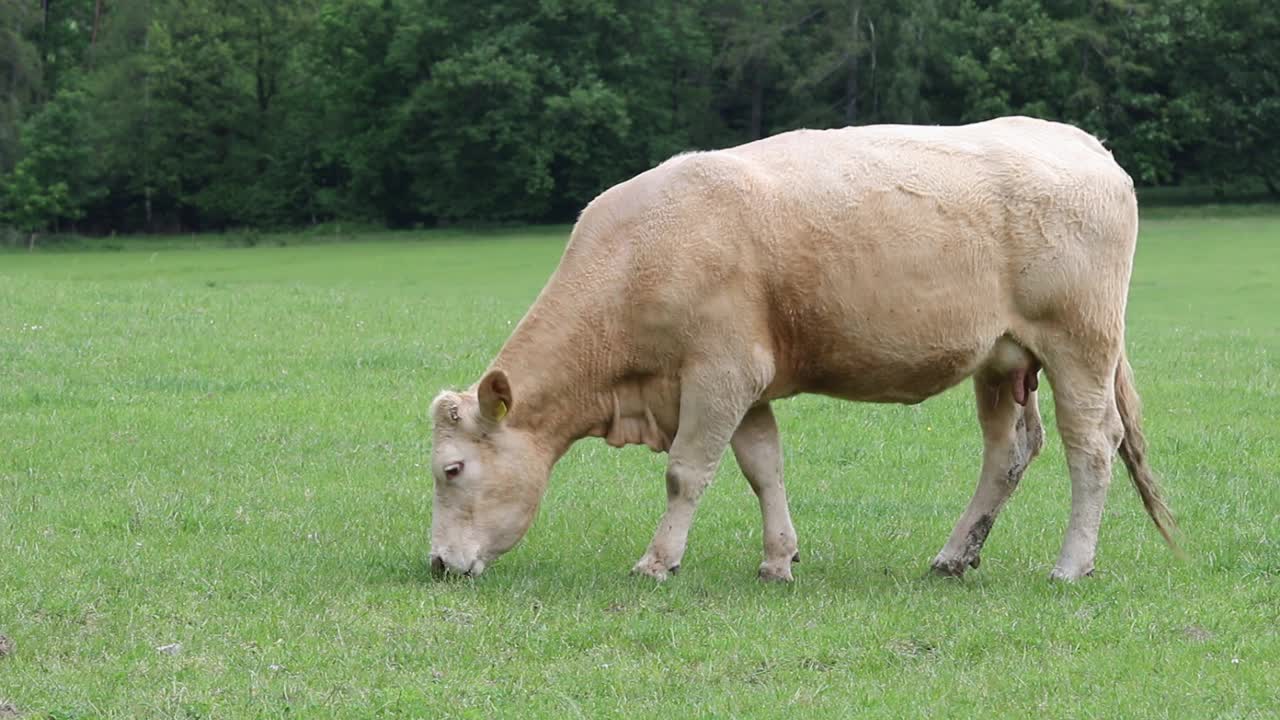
560	370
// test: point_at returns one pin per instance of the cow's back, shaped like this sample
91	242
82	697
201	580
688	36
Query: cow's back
875	263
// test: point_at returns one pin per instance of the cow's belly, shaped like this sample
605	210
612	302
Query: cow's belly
899	348
898	379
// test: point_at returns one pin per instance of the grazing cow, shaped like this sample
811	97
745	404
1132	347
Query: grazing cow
882	264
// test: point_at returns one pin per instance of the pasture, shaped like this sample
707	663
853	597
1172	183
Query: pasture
225	449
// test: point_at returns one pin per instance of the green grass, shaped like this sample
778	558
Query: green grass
226	448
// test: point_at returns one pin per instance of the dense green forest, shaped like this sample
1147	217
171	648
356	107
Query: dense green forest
166	115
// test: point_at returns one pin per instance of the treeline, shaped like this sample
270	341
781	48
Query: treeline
164	115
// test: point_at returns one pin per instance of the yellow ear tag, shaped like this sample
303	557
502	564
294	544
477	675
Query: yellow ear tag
501	411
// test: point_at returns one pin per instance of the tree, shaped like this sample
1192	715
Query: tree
58	159
63	36
204	114
755	54
1240	91
30	205
20	76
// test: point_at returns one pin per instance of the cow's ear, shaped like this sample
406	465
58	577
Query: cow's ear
494	394
446	409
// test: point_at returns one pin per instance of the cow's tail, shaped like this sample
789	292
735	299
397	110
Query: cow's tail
1133	450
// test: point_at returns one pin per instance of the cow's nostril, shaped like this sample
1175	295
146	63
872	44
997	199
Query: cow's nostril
437	565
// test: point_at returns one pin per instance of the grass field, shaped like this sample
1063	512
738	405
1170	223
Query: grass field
226	449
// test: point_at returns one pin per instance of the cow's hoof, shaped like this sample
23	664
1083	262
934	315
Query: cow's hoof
1068	575
651	567
951	567
776	571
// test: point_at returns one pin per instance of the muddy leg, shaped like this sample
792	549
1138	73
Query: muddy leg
1089	423
759	452
711	409
1012	437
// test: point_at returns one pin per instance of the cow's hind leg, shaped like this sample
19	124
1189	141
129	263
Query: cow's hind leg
759	453
1089	422
713	403
1012	437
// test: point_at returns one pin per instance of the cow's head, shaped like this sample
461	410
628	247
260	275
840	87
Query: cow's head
489	476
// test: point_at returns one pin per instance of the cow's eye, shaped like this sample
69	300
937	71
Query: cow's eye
453	470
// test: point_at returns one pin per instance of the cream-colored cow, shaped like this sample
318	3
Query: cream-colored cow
883	264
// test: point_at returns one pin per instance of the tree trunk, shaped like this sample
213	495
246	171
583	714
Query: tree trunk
675	99
146	130
757	82
97	22
44	39
757	100
851	80
264	83
875	89
920	56
93	36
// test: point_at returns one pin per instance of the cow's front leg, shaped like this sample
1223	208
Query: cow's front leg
685	484
758	449
712	406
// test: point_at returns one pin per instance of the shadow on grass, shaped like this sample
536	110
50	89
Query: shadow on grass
400	566
722	582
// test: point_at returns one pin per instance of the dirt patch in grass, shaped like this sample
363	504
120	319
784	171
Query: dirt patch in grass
912	648
1196	633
